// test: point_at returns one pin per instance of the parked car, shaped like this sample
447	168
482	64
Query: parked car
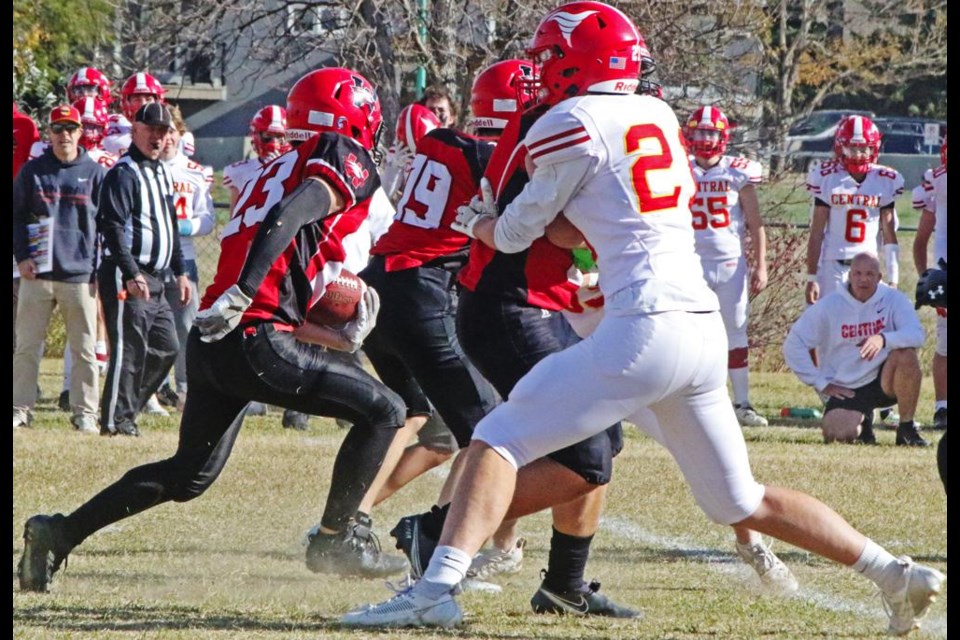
906	135
816	131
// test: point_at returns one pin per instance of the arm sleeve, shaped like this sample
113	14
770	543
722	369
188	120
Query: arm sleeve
21	216
907	331
549	189
307	204
796	349
116	204
201	223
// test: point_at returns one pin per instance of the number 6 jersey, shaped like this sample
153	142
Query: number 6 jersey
854	222
717	216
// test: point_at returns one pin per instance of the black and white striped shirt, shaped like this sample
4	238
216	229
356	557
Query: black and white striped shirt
136	218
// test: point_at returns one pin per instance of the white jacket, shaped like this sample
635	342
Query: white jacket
838	324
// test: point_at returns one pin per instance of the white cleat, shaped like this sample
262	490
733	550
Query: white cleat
747	416
154	408
409	608
775	576
911	601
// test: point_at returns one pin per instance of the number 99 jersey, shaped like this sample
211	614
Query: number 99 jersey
717	216
854	222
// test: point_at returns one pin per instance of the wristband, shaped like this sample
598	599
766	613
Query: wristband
811	277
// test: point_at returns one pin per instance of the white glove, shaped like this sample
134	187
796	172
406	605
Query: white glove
357	330
395	169
223	315
479	208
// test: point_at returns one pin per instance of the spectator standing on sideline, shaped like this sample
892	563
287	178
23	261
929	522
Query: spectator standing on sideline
930	196
725	209
25	133
437	99
193	203
139	227
278	251
660	346
63	187
867	335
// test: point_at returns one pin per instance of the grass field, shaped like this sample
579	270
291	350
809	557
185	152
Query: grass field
230	564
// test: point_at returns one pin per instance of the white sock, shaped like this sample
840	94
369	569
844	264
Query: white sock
740	381
939	404
879	565
67	367
448	566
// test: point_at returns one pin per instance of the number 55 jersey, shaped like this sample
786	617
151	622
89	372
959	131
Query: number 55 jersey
718	223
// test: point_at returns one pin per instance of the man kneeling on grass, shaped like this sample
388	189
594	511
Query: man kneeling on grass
867	335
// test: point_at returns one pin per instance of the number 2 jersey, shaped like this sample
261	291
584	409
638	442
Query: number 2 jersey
298	276
718	222
445	173
854	221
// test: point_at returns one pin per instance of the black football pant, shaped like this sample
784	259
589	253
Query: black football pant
143	345
415	349
269	366
504	339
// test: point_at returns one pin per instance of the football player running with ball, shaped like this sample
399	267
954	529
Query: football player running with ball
283	243
615	164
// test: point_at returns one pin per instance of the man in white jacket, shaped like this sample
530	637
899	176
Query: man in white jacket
867	335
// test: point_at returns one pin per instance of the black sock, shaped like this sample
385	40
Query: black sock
568	561
906	424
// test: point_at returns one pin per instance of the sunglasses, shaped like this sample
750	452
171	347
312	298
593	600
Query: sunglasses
60	128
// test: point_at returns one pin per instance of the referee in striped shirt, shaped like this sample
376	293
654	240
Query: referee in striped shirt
141	250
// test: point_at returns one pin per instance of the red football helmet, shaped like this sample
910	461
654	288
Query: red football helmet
93	116
91	82
707	132
271	119
943	151
857	143
501	89
414	122
334	99
139	84
588	46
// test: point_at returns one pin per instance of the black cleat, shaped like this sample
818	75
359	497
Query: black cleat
167	396
866	432
585	601
908	435
295	420
940	418
355	552
414	541
63	402
43	552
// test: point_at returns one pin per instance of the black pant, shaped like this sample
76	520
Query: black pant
505	340
272	367
143	345
415	349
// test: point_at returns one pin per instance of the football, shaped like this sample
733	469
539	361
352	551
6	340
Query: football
338	304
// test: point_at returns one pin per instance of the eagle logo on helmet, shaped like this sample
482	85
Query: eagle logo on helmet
568	22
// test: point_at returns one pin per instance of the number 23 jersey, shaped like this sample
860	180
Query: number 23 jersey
718	222
854	221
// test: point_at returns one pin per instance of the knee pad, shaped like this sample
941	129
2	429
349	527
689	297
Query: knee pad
592	459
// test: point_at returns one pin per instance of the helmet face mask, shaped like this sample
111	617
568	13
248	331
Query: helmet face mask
89	82
268	132
334	99
137	90
586	47
857	144
93	116
707	132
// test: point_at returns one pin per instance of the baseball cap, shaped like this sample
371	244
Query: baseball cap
153	114
65	113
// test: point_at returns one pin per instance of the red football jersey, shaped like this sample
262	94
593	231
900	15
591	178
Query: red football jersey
539	276
315	256
444	174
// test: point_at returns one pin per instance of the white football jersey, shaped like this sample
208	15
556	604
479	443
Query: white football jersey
237	175
931	194
718	222
37	149
838	324
116	137
618	169
192	199
854	222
